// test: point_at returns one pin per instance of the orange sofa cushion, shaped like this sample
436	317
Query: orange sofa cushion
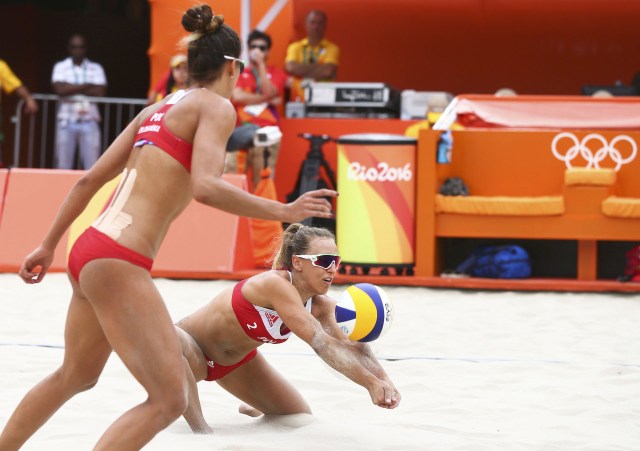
621	207
593	177
500	205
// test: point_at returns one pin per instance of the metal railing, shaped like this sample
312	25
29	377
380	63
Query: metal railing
34	137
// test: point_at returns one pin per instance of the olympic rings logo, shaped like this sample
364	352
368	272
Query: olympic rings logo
594	158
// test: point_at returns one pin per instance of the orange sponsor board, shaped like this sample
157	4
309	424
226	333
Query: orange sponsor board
376	207
202	240
205	240
31	201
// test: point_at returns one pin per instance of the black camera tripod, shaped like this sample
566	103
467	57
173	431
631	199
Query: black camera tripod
309	177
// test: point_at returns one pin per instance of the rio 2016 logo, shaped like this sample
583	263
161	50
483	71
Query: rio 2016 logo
382	172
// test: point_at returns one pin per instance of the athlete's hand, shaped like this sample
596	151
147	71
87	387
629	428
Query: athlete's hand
311	204
35	265
384	395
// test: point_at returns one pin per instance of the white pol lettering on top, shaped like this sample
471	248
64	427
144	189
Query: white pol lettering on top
156	117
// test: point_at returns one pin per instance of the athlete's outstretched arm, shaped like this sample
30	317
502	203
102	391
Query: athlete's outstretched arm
336	352
341	357
324	311
216	123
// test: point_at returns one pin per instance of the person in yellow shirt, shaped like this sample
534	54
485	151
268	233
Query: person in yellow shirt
313	58
174	80
10	83
436	106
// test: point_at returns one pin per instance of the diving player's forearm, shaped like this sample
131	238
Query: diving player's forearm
342	360
369	361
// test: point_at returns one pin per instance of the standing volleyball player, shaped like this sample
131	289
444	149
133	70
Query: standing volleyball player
220	340
171	153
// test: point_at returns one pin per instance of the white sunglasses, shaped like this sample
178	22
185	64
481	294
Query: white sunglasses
323	261
231	58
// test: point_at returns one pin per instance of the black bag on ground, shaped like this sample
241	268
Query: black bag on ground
497	262
631	265
454	186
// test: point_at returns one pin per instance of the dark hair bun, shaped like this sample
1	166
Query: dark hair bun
200	19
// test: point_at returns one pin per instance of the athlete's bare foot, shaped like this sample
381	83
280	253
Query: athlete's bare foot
246	409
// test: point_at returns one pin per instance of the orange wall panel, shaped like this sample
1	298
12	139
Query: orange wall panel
203	239
32	199
495	162
462	46
479	46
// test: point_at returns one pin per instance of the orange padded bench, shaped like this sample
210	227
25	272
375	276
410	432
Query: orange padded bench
530	185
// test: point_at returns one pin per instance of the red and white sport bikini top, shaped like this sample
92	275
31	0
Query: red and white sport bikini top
154	131
259	323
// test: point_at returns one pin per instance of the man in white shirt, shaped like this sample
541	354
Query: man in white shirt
75	78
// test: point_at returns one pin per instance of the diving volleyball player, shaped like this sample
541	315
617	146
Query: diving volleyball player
220	340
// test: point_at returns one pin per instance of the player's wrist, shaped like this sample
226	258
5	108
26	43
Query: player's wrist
371	380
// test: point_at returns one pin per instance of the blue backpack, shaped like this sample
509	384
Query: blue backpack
497	262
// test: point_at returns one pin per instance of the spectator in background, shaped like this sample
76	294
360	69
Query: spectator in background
505	92
175	79
313	58
78	118
256	97
10	84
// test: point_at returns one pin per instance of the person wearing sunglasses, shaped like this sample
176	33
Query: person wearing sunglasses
174	80
220	340
169	155
256	97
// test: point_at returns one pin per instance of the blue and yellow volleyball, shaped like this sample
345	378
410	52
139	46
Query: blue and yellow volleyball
364	312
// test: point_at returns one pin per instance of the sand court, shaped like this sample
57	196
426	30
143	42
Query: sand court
477	371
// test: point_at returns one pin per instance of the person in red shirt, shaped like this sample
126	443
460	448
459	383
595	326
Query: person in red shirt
257	95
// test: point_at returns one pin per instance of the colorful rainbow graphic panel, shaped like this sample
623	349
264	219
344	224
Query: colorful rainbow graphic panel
376	207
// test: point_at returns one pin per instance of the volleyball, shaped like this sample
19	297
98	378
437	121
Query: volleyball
364	312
